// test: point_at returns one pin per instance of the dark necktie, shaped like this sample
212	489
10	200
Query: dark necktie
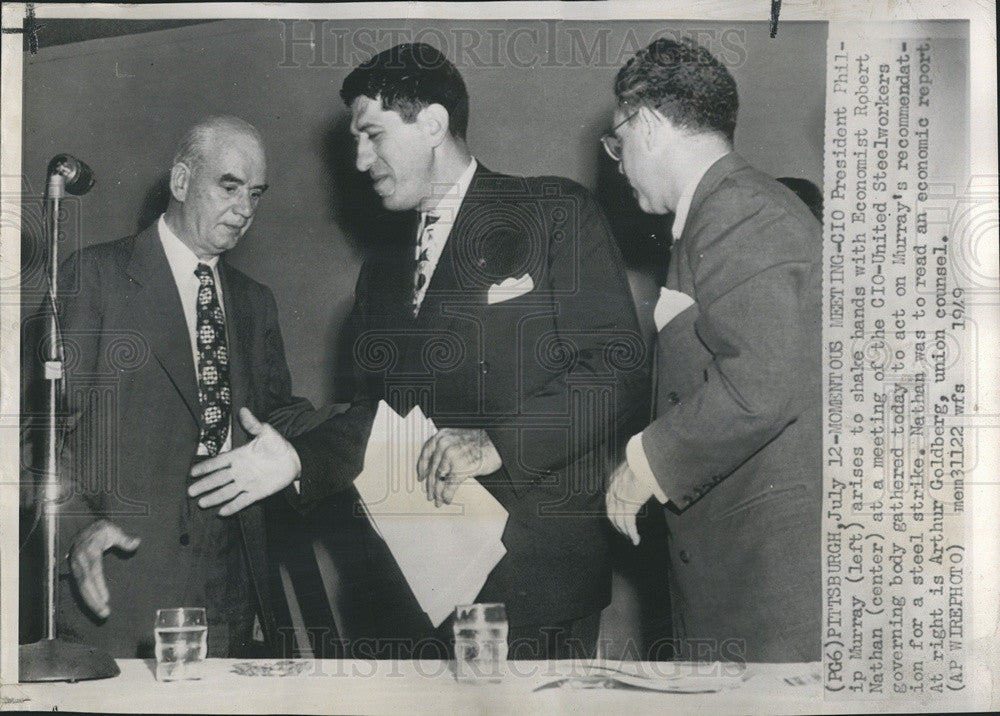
213	364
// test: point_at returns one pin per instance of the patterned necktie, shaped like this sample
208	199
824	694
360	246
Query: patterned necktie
422	271
213	364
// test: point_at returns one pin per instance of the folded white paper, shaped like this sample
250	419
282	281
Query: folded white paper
446	553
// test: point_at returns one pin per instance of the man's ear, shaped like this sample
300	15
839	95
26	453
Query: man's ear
180	177
649	124
434	120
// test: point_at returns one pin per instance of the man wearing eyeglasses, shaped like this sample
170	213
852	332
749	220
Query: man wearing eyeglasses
734	452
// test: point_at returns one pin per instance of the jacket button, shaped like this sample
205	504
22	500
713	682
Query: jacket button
684	556
185	539
673	398
484	367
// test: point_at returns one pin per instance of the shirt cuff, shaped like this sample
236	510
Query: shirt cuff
297	482
635	455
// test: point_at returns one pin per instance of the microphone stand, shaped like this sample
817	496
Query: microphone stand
53	659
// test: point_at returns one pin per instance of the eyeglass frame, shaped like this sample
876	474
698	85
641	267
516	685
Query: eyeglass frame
610	136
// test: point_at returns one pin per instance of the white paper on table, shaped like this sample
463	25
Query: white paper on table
446	553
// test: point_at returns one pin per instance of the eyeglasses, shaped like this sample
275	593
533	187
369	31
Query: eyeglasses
612	143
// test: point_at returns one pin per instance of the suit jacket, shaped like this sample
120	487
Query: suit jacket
133	398
555	376
737	439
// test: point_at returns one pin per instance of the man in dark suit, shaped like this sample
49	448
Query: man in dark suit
734	451
504	312
165	343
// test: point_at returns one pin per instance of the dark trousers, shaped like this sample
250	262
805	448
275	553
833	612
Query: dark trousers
571	639
381	619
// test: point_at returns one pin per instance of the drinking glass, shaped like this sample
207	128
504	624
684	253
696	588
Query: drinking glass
480	642
181	643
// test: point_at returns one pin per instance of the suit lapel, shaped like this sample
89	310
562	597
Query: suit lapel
240	327
239	330
443	285
160	316
722	168
453	279
400	268
451	282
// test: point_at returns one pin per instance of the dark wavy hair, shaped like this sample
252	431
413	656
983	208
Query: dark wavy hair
684	82
409	77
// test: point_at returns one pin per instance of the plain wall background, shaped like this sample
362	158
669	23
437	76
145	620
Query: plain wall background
121	103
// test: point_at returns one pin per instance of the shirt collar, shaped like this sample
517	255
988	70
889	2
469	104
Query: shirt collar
684	205
447	204
183	261
687	196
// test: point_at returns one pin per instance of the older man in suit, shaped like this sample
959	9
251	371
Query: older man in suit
504	312
733	453
165	342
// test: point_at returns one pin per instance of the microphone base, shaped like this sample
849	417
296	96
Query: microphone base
58	660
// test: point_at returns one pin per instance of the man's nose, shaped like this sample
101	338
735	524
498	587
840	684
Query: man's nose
244	206
365	157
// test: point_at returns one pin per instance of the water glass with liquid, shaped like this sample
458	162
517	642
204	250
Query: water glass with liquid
181	643
480	642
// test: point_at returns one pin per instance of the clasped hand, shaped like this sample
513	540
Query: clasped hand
625	497
450	456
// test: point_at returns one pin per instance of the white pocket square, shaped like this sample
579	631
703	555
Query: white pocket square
509	288
670	304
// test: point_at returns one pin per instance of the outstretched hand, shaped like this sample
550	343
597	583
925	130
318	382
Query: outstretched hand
86	560
241	477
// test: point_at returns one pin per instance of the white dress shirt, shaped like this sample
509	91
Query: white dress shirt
183	262
684	205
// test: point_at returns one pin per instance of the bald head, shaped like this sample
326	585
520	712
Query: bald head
218	176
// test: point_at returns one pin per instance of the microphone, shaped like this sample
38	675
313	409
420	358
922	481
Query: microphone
52	658
77	177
